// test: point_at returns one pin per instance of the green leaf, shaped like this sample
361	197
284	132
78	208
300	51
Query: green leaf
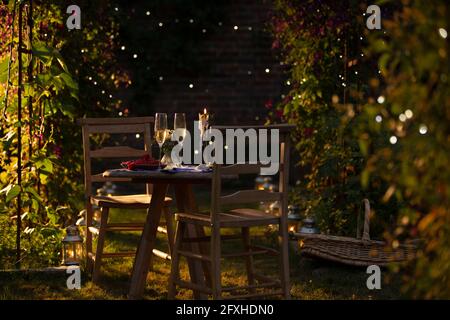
61	62
33	193
365	175
48	165
4	69
46	54
43	53
43	178
11	5
69	81
13	192
383	61
363	146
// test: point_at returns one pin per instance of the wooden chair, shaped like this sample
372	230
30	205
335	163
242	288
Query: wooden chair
244	219
92	126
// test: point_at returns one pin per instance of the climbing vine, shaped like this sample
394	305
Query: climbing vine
40	165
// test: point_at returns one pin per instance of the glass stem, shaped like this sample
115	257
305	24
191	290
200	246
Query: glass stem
159	165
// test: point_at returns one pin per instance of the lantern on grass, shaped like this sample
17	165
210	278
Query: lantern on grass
72	247
268	186
294	218
309	226
259	182
275	208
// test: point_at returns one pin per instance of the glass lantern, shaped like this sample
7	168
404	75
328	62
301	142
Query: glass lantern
72	247
259	182
275	208
294	218
268	185
309	226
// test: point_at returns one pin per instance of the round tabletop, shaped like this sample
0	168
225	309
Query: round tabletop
160	176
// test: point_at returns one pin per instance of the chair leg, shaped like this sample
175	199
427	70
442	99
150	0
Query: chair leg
284	260
100	245
175	261
89	251
170	228
216	280
249	259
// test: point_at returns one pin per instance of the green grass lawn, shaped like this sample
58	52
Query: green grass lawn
310	278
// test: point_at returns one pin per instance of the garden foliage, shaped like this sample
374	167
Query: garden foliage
372	114
53	75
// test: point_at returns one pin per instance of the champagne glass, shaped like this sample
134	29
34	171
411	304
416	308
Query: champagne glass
179	123
160	131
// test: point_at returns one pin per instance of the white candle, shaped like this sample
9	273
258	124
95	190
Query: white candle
203	119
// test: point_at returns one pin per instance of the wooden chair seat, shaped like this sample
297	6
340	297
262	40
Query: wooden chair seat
233	219
135	201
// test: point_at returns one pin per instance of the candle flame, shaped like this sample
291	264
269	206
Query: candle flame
204	111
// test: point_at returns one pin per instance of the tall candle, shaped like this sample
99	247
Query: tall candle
203	121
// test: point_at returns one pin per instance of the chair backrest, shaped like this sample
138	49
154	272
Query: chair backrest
92	126
252	195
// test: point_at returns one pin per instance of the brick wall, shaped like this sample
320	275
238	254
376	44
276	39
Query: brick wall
235	86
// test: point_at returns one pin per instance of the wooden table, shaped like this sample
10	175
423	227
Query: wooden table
182	182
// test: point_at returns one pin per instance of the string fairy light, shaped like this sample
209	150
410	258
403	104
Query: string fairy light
423	129
443	33
409	114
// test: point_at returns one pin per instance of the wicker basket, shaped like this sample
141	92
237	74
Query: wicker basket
355	251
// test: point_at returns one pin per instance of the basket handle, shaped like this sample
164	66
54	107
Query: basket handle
366	235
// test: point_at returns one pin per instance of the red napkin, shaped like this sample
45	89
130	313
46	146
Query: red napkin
144	163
